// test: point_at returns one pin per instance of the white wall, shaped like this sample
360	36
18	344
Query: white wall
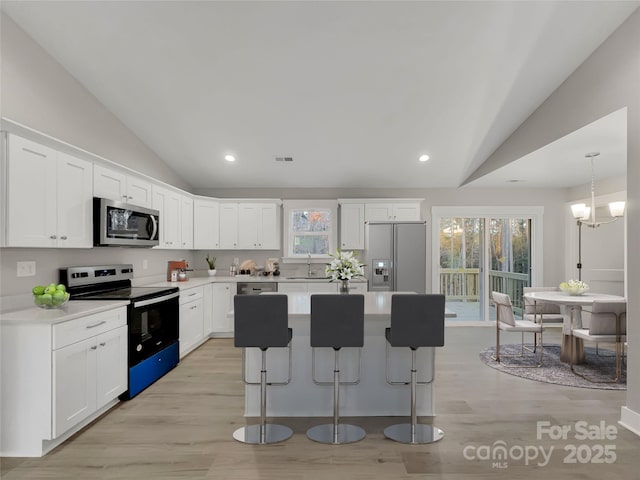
39	93
606	82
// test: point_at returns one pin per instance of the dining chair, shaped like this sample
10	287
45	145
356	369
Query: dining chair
506	321
608	324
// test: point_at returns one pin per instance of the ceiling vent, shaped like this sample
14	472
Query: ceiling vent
284	159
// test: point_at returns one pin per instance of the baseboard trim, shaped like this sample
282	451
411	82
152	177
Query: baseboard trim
630	420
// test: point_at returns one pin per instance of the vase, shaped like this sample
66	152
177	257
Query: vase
344	287
212	272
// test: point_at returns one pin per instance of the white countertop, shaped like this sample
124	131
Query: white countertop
199	281
69	311
375	303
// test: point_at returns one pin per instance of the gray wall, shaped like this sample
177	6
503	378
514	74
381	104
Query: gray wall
39	93
607	81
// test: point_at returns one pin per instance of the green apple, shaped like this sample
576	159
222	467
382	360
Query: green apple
50	290
45	299
61	287
59	297
38	290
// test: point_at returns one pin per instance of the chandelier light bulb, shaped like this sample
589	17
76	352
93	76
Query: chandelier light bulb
230	158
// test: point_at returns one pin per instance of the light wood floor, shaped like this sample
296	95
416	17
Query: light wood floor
180	428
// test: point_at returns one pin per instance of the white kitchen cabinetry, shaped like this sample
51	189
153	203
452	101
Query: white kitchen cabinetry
191	319
223	294
228	226
249	226
397	212
258	226
87	376
207	308
169	204
319	287
48	197
115	185
186	223
352	226
206	224
58	378
292	287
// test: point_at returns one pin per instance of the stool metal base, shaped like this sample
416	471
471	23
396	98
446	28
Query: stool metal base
273	434
346	433
401	432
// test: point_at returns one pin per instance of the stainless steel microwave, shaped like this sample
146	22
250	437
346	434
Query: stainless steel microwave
118	224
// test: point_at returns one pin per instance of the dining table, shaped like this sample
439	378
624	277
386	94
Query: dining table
571	309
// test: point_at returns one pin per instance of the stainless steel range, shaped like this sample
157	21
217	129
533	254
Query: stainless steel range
152	319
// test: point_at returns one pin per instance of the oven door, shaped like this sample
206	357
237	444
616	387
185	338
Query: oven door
153	326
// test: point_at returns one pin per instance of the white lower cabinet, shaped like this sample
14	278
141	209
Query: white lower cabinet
57	378
319	287
222	324
191	319
87	376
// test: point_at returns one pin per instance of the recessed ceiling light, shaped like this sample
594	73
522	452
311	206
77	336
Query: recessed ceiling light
230	158
514	180
423	158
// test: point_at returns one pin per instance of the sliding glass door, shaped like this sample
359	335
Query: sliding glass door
461	261
480	254
510	259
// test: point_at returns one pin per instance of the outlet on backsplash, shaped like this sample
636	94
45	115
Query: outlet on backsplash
145	264
26	269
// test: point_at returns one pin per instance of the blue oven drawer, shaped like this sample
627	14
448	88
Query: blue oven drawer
151	369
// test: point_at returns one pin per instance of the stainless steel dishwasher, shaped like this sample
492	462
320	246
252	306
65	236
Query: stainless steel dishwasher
256	288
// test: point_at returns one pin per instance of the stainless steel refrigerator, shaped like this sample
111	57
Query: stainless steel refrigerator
395	256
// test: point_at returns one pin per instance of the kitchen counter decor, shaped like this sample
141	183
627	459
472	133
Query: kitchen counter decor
344	267
212	266
51	296
574	287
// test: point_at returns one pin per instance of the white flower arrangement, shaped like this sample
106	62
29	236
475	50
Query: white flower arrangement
344	266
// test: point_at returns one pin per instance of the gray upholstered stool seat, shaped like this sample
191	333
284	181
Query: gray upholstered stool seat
336	321
261	321
416	321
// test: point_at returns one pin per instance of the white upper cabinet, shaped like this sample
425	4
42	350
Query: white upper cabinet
258	226
228	226
186	222
352	226
386	212
169	204
206	224
48	197
115	185
249	226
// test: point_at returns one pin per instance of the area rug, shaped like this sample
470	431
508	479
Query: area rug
596	367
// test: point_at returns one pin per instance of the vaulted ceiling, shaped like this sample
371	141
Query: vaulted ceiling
353	92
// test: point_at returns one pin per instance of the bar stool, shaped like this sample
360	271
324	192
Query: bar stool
261	321
336	321
416	321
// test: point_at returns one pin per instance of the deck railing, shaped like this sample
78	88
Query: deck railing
464	284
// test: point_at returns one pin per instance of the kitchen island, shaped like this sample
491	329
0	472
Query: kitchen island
372	396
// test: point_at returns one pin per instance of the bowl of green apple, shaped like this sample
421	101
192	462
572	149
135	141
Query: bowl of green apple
50	296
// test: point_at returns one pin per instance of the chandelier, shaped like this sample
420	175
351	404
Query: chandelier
587	215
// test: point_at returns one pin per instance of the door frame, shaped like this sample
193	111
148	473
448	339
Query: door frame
536	215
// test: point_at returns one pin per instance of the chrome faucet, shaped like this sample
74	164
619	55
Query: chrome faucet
309	265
